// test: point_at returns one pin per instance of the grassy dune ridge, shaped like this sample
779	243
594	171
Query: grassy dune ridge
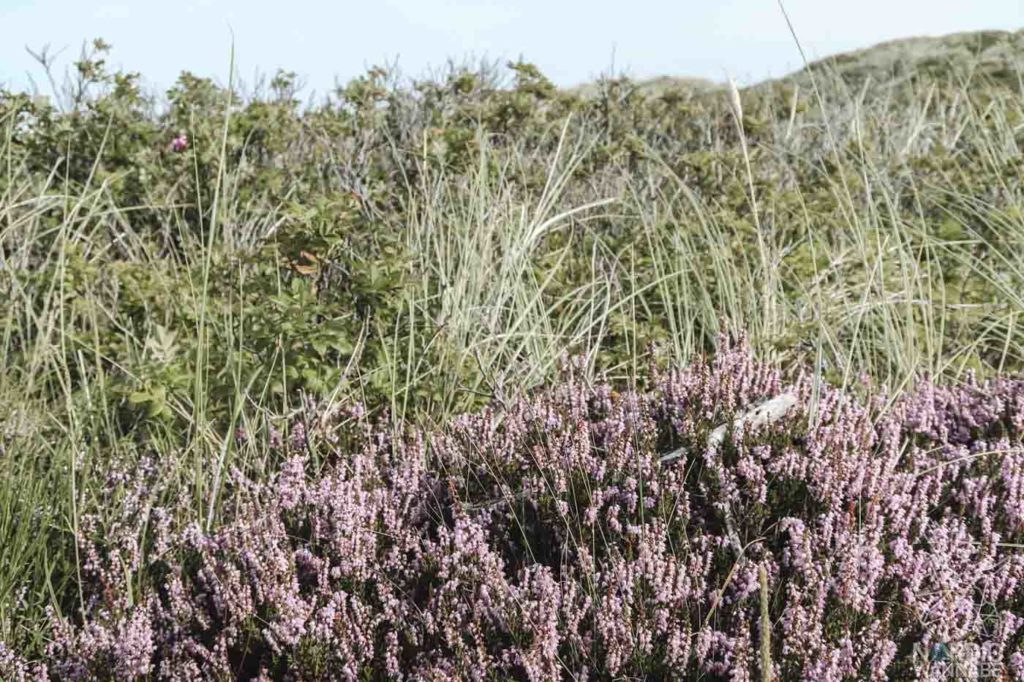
190	280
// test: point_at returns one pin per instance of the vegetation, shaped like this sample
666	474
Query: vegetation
188	277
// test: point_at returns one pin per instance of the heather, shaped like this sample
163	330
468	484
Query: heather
436	376
554	539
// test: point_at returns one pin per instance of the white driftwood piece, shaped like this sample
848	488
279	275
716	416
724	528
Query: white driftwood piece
768	412
765	413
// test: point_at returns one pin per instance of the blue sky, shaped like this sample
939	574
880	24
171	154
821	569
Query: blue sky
572	41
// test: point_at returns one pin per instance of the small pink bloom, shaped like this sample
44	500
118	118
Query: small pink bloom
180	143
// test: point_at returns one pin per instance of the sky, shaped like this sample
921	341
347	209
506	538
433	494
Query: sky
571	41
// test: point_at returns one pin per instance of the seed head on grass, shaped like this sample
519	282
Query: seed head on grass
735	103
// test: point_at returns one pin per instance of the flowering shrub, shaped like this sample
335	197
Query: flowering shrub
554	539
179	143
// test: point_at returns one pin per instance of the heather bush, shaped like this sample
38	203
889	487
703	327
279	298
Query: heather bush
588	533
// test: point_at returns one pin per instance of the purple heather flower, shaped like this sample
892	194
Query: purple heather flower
297	437
275	440
550	540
